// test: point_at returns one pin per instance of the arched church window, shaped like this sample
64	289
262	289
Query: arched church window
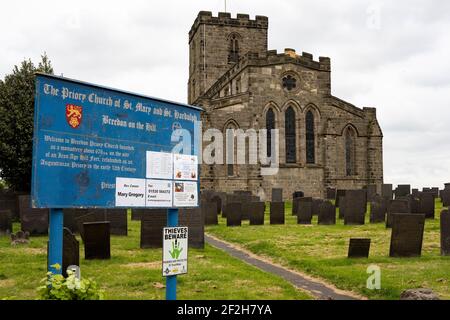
310	143
270	124
350	151
289	125
230	151
233	55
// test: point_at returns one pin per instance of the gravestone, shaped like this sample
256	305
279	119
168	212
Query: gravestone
97	242
245	209
327	213
445	197
407	234
402	190
371	191
358	248
386	191
209	209
91	216
355	207
70	218
152	224
71	251
5	222
315	206
218	201
342	207
445	233
233	211
257	213
277	212
415	193
194	220
277	195
9	201
295	206
35	221
396	206
426	204
331	193
20	237
119	221
378	210
435	192
298	194
339	193
304	212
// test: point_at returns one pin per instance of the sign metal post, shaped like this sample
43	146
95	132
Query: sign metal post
55	241
171	281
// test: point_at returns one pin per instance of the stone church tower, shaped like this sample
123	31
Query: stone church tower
323	140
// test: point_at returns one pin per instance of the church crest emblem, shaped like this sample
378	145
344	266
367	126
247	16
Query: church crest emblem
74	114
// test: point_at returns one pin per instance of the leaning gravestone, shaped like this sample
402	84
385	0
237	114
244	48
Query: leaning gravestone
71	251
402	190
396	206
355	207
277	195
257	213
234	214
304	211
426	204
5	222
327	213
386	191
97	242
152	224
35	221
209	212
445	233
358	248
407	234
194	220
277	212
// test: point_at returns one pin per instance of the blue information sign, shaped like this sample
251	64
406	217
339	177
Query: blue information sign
101	148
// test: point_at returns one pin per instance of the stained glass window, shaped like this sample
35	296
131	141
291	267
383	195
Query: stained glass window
310	143
270	124
289	125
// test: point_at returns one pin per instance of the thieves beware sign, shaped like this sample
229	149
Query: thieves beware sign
175	251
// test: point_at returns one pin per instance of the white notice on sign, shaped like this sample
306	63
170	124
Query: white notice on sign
185	167
159	193
130	192
175	251
185	194
159	165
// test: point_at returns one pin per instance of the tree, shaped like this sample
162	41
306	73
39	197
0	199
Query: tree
16	123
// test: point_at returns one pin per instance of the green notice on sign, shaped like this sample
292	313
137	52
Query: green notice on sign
175	251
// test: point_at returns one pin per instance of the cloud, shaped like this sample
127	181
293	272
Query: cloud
392	55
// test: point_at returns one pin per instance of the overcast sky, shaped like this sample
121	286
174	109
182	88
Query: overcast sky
392	55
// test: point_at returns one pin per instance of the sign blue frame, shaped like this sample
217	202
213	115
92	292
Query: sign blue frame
86	136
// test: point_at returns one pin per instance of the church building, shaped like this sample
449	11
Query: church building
324	141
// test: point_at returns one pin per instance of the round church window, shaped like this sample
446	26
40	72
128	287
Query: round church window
289	82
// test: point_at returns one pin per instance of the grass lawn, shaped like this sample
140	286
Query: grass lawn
134	273
322	251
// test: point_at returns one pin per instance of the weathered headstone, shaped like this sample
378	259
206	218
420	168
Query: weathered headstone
194	220
218	201
298	194
233	211
245	209
97	242
358	248
139	214
331	193
426	204
435	192
342	207
327	213
407	234
119	221
396	206
35	221
445	233
91	216
371	191
378	210
415	193
70	218
386	191
71	251
355	207
402	190
339	193
315	206
277	212
152	224
277	195
5	222
445	197
304	212
257	213
209	209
